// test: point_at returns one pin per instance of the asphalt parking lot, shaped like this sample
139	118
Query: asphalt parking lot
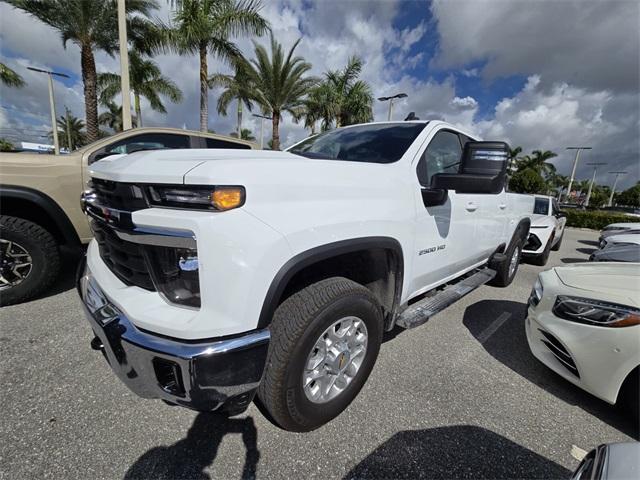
459	397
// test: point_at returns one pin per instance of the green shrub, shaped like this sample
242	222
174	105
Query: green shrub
596	220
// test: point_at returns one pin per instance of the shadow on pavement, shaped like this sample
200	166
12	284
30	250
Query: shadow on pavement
459	451
69	261
509	345
574	260
593	243
586	251
188	458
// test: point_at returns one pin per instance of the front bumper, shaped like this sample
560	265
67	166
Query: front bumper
218	374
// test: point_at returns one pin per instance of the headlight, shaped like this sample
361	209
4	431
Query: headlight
536	293
175	274
595	312
195	197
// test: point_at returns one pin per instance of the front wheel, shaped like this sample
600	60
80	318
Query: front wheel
324	342
29	259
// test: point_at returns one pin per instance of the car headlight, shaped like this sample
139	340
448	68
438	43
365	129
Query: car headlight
536	293
197	197
595	312
175	273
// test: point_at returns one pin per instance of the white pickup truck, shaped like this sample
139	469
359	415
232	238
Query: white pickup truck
218	274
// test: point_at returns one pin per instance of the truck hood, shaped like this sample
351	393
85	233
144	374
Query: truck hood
541	220
614	280
173	166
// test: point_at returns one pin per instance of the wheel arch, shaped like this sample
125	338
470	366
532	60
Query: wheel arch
311	265
38	207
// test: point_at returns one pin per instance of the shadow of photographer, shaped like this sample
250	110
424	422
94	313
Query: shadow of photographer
457	451
189	457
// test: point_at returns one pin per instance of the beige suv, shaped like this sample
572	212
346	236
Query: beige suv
40	203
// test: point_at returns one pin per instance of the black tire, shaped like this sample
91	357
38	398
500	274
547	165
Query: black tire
629	396
297	324
542	258
558	244
503	278
45	258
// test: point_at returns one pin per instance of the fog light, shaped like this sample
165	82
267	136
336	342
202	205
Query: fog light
175	274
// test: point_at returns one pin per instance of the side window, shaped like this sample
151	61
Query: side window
541	206
142	141
149	140
554	207
217	143
441	156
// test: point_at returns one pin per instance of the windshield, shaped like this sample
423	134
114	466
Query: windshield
375	143
541	206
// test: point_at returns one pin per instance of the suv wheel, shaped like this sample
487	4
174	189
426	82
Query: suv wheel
324	342
29	259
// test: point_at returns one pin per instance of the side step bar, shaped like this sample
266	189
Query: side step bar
418	313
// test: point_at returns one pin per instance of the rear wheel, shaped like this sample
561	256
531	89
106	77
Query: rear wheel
29	259
506	270
543	258
324	342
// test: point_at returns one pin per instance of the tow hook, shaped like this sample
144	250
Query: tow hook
96	344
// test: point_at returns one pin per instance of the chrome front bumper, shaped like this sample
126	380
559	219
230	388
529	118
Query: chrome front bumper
217	374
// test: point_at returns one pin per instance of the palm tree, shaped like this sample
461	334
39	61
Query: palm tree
92	25
146	81
513	156
70	131
246	134
236	87
202	26
10	78
6	145
112	117
351	99
316	107
537	161
279	85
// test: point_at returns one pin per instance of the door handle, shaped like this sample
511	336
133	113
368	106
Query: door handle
502	206
471	206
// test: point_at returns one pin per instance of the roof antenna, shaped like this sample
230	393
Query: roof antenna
411	116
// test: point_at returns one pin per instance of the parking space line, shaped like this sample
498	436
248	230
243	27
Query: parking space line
495	325
578	453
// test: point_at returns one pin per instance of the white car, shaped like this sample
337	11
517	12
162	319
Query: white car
547	230
618	229
622	239
584	324
218	273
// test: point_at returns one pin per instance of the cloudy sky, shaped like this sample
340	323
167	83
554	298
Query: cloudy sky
540	74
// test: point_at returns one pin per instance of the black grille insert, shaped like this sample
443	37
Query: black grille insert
560	352
122	196
125	259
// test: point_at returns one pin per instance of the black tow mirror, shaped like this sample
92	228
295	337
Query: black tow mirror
483	169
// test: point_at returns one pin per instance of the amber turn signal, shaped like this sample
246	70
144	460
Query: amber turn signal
226	198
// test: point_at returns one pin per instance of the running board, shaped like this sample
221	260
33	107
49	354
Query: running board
418	313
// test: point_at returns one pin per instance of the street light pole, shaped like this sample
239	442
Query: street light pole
262	119
613	189
390	99
52	105
593	179
575	164
124	66
68	120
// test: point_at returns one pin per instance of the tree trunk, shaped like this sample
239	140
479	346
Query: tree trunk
89	79
239	118
313	128
136	101
204	99
275	143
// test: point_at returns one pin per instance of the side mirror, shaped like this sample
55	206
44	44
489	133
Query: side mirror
561	215
432	197
483	169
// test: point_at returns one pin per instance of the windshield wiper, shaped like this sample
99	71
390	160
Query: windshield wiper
320	156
